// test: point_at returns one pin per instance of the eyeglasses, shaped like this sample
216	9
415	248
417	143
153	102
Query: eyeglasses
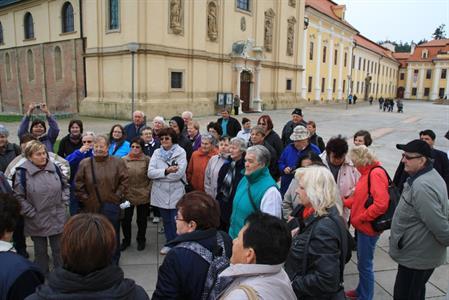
117	131
408	157
165	138
88	142
135	147
261	124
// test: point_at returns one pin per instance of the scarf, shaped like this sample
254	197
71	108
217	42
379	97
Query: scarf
226	187
166	155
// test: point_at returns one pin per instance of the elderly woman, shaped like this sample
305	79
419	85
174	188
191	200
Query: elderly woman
101	183
167	169
193	134
38	128
8	151
369	167
214	165
158	124
198	163
71	141
271	137
257	191
229	177
138	190
87	248
319	248
118	145
43	192
183	273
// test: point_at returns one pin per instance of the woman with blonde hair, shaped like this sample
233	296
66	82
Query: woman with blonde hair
319	248
361	216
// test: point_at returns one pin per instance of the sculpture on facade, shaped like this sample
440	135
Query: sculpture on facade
290	35
268	30
176	16
243	24
292	3
212	28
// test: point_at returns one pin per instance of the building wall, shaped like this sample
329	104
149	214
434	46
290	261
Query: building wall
416	85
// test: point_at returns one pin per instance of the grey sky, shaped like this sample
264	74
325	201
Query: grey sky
397	20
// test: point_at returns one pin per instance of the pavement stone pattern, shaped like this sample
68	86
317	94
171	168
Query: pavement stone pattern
387	130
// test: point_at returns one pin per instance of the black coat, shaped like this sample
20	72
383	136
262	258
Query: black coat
8	154
318	141
66	146
275	141
288	130
321	279
183	272
233	126
185	144
107	283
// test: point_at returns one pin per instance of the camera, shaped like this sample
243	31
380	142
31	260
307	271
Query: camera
174	163
37	106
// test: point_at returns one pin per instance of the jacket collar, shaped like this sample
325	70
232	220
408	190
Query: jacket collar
367	169
5	246
33	169
427	168
196	235
235	270
254	176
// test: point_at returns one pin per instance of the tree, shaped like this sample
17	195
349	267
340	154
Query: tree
439	33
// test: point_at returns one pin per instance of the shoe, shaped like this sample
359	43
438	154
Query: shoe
156	220
352	294
140	246
161	230
164	250
124	245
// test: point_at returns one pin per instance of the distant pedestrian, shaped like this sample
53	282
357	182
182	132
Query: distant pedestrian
354	99
236	104
350	99
381	103
371	100
400	106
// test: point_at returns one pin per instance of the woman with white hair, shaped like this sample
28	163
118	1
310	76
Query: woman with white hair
319	248
158	124
361	215
257	191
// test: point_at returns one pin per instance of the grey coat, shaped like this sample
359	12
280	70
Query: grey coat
420	228
167	189
44	200
211	176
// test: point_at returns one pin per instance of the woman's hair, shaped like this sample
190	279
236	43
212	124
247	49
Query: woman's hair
263	156
101	138
77	122
319	185
138	141
362	156
267	120
194	124
337	145
32	147
170	132
216	127
366	137
4	131
241	143
89	133
258	129
26	137
9	213
159	119
313	157
209	137
201	208
119	142
37	122
87	243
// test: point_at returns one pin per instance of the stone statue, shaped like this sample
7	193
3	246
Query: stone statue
292	3
243	24
290	35
268	30
175	16
212	30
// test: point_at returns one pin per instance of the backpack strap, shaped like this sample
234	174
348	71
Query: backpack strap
249	291
390	182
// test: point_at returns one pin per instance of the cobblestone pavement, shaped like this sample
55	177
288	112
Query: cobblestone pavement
387	130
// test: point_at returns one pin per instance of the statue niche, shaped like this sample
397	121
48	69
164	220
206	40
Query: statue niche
290	35
212	28
268	30
176	12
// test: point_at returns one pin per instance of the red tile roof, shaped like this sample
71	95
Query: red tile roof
327	7
433	47
369	44
436	43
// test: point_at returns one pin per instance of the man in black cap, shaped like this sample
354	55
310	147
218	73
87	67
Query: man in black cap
420	227
296	120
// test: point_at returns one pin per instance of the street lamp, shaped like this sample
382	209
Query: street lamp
132	47
349	90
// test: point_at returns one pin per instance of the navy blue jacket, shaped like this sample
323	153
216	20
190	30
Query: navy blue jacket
183	272
132	131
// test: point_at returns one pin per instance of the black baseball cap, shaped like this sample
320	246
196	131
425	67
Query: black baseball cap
416	146
297	111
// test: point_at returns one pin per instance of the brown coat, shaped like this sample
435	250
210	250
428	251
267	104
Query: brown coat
139	184
112	181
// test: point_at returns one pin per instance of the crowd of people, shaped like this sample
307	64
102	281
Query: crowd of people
247	213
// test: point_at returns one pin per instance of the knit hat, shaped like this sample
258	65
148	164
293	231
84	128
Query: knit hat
416	146
297	111
3	130
36	122
299	133
178	121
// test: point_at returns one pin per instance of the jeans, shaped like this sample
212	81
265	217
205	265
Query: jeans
142	213
115	221
410	284
19	237
74	204
365	255
155	210
168	218
40	251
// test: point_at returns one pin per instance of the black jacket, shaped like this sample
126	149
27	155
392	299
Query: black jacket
275	141
8	154
66	146
288	130
233	126
107	283
183	272
318	141
321	279
185	144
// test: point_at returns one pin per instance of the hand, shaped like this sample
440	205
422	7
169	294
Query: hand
287	170
30	109
289	218
44	109
295	231
171	169
84	148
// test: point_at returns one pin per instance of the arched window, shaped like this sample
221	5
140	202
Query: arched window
8	66
30	61
67	18
1	33
58	63
113	14
29	26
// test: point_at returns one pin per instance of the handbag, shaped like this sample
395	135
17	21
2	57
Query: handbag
110	210
383	222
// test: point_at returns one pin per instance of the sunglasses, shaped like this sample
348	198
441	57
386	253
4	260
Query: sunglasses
408	157
165	138
135	147
88	142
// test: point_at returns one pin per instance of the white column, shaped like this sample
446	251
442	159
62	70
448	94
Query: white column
317	69
420	93
257	101
304	64
446	91
238	69
340	72
350	72
408	83
436	80
330	63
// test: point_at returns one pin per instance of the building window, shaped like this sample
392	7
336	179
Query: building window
364	62
345	60
67	18
344	86
28	26
357	87
8	66
30	61
176	80
58	63
443	74
113	15
375	68
243	4
372	67
333	85
441	93
425	54
361	90
360	63
309	85
428	73
1	34
335	57
414	91
323	81
324	54
402	76
426	92
311	51
289	85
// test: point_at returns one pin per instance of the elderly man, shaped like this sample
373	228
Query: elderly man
132	130
296	120
258	254
187	116
229	125
420	227
257	191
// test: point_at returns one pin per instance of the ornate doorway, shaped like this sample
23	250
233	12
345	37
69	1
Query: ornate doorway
245	89
400	92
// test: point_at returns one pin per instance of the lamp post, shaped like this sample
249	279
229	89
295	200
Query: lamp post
132	47
349	90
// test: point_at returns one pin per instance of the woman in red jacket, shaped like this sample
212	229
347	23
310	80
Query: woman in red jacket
361	217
